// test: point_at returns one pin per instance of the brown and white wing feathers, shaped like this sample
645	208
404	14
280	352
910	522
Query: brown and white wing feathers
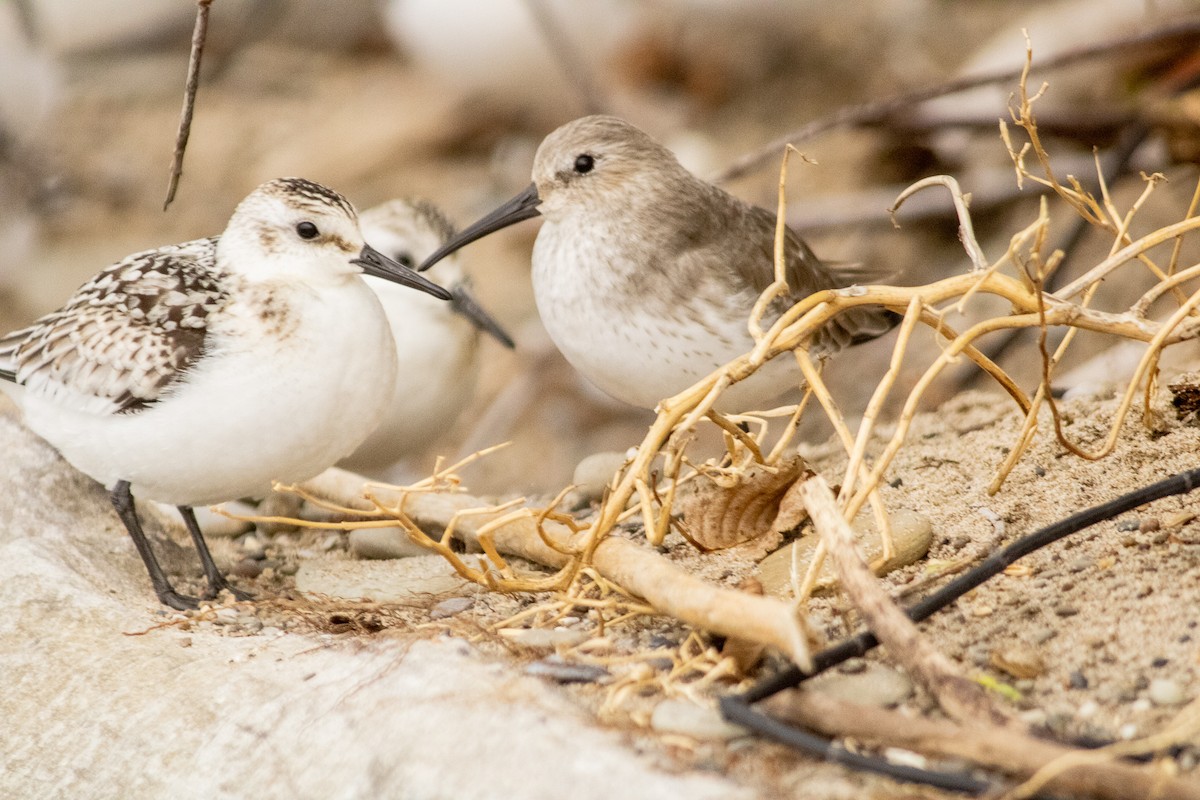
125	337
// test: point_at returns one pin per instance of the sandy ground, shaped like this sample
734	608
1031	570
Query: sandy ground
1104	615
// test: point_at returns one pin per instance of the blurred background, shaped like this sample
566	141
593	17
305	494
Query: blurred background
448	99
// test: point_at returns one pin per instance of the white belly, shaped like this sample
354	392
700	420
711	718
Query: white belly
255	409
641	352
435	377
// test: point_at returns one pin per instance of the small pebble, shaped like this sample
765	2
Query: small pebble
1018	660
1078	680
1160	662
699	722
247	568
557	670
1079	564
1065	610
1087	709
450	606
853	666
1039	471
1150	525
383	543
1043	635
1165	692
875	685
594	472
543	638
1129	524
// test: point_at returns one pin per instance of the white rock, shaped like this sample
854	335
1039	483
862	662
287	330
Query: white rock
428	719
699	722
876	685
1165	692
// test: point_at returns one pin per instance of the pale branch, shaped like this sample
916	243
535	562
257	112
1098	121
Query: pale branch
959	697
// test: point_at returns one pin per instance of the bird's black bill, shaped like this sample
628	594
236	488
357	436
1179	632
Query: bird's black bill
464	303
522	207
376	264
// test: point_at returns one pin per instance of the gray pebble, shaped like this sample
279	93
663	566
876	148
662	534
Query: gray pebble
556	669
1066	610
450	606
1043	635
1078	680
383	543
1079	565
593	473
246	568
1165	692
1129	524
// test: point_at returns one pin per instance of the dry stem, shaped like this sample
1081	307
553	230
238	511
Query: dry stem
1000	748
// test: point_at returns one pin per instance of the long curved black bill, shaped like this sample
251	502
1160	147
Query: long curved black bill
523	206
378	265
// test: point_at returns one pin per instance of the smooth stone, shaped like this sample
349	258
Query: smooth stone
1165	692
544	638
876	685
688	719
382	581
383	543
594	472
561	671
450	606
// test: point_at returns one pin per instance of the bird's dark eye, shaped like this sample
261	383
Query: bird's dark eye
306	230
404	258
584	163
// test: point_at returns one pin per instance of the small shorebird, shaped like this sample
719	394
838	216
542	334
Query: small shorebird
198	373
645	275
437	344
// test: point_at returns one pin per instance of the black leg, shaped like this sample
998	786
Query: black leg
122	500
216	581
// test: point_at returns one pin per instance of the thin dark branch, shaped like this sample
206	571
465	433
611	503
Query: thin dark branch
567	55
873	113
189	98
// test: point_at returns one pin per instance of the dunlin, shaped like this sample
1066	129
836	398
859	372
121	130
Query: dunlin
645	275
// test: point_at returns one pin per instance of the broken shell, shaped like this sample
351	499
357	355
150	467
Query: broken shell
1018	660
912	533
717	517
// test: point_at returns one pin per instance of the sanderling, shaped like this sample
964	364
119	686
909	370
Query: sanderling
198	373
437	344
645	275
